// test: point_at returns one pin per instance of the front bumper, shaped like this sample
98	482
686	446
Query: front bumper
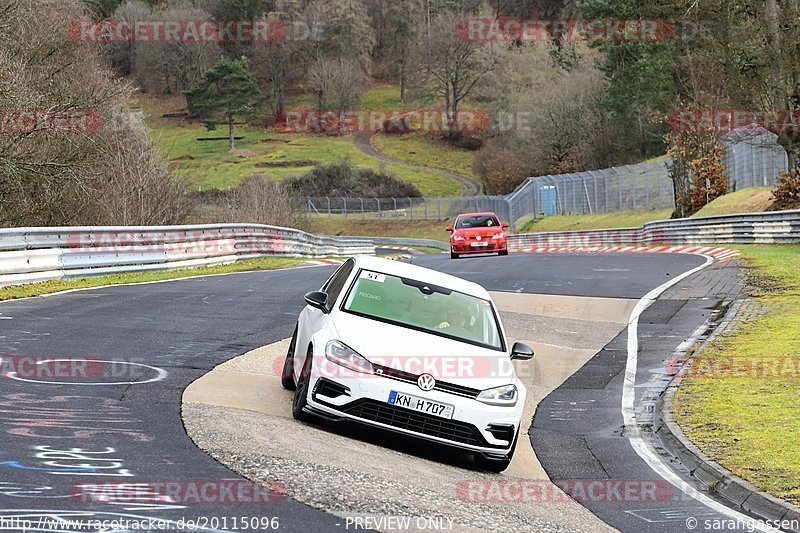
475	426
465	247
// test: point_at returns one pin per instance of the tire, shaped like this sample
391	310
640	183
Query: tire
504	252
454	256
301	394
287	376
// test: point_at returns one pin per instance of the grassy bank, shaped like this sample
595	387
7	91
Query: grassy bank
48	287
209	164
747	419
420	149
417	229
752	200
628	219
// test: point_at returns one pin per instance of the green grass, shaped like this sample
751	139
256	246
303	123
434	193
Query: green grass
383	98
752	200
749	423
379	98
417	229
627	219
422	150
48	287
209	164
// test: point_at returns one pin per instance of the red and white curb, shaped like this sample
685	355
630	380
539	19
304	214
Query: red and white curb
412	251
719	254
325	262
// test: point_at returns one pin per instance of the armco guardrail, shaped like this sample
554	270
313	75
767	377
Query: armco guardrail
399	241
39	254
751	228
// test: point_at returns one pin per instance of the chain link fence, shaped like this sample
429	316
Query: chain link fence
630	188
752	159
403	208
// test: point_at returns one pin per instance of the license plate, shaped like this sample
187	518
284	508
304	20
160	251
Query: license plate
480	244
421	404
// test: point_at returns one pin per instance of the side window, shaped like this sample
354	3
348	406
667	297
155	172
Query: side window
333	288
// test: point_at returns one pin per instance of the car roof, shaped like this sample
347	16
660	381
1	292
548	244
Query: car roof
484	214
407	270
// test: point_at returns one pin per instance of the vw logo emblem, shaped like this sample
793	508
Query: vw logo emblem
426	382
478	238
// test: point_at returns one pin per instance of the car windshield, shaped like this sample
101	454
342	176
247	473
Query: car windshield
424	307
477	221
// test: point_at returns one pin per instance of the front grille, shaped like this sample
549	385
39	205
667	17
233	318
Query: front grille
408	377
425	424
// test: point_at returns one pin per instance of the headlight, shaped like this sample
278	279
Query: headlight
341	354
498	236
458	238
505	396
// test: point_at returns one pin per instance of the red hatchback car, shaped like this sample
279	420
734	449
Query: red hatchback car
478	233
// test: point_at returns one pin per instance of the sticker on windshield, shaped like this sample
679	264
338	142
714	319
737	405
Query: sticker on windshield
373	276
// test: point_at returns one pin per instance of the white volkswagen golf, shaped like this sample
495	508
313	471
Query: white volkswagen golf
412	351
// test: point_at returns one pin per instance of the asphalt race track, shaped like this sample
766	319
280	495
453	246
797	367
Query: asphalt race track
60	436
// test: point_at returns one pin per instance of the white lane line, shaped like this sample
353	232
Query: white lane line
640	445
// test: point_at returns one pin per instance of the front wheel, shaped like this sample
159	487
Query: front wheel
504	252
301	394
287	376
454	256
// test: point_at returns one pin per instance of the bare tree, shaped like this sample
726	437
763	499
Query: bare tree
123	55
451	66
340	83
133	184
172	67
260	201
41	172
547	119
102	172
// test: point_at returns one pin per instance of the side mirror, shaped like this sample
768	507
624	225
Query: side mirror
506	225
317	300
521	352
449	229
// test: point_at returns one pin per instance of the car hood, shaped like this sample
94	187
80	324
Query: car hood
418	353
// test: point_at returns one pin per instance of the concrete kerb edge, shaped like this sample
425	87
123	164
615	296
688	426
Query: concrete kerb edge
735	490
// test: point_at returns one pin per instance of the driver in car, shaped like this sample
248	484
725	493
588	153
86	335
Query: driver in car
456	323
